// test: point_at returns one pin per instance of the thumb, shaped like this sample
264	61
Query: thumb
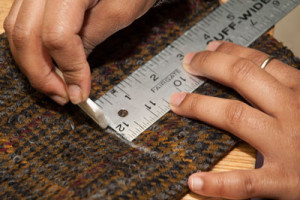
232	185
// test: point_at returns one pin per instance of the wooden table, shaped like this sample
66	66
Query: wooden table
241	157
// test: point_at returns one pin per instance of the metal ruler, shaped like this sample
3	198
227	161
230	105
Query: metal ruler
142	98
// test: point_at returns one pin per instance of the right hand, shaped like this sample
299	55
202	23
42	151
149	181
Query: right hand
65	31
271	124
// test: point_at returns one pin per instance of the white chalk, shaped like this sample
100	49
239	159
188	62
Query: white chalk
90	108
94	111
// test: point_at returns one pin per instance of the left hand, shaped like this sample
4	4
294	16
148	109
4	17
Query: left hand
272	125
65	31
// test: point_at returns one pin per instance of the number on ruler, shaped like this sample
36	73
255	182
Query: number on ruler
179	81
154	77
180	56
127	97
121	127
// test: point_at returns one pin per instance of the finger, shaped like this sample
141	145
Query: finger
109	16
10	21
236	117
31	56
61	25
258	87
282	72
234	184
12	16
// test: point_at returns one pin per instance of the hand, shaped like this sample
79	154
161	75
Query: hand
65	31
272	125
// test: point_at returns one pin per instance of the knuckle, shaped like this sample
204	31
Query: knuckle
248	186
221	186
54	39
73	74
41	81
193	104
257	57
20	36
227	47
39	84
8	25
241	69
88	44
201	58
292	180
235	113
121	15
72	69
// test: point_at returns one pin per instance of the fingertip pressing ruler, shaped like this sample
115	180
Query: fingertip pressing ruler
142	98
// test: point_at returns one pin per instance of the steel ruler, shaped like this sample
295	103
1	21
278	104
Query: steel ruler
142	98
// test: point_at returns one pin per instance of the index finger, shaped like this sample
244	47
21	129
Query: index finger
243	75
282	72
62	23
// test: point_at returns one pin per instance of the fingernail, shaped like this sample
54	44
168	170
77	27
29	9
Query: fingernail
212	46
188	58
196	183
75	94
177	98
58	99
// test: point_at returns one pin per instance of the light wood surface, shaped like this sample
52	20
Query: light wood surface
4	9
241	157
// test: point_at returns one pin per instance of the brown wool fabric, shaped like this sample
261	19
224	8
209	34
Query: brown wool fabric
159	2
53	152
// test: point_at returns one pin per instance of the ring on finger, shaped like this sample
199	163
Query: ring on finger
266	62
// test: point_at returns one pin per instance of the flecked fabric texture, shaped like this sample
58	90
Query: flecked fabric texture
53	152
160	2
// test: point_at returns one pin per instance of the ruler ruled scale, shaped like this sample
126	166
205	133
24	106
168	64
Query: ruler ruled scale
142	98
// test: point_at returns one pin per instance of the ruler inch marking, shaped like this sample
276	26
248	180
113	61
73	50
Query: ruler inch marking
139	124
230	21
121	90
137	80
107	101
152	112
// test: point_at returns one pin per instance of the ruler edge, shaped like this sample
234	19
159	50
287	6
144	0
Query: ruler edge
266	29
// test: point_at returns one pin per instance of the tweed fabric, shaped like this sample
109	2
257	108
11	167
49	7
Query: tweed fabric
54	152
159	2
